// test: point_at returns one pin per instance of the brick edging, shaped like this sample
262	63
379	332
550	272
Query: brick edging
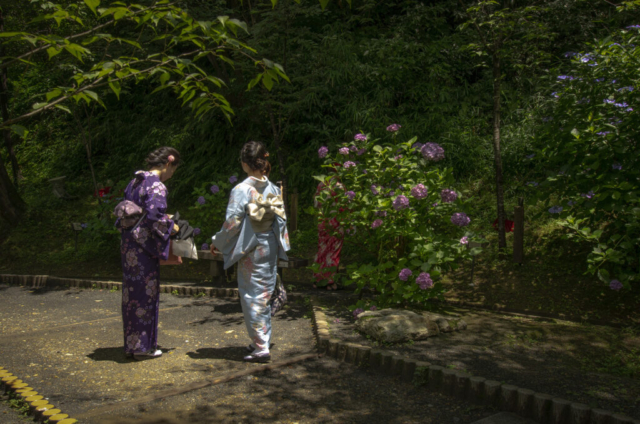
41	281
39	406
540	407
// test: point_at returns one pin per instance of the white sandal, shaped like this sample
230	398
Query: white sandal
144	355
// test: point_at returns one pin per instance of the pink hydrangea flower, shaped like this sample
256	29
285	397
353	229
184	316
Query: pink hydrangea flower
464	240
448	196
344	151
376	223
360	137
405	274
393	127
460	219
322	152
419	191
401	202
424	281
348	164
432	151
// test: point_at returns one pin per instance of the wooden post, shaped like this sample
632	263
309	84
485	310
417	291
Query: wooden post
293	209
518	232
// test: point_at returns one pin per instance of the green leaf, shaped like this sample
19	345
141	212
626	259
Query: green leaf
52	51
267	81
92	4
53	94
20	130
254	81
64	108
603	274
115	86
39	105
274	3
323	3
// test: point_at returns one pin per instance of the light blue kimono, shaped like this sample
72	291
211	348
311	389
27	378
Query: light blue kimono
257	257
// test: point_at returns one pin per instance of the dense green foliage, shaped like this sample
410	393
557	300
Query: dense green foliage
351	68
589	152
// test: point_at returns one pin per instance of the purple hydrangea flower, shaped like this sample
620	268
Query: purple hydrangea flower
360	137
201	200
623	104
84	225
629	109
609	101
432	151
599	79
381	213
322	152
419	191
555	94
360	152
589	195
448	196
393	127
348	164
357	312
204	246
401	202
373	308
603	133
570	54
531	156
405	274
214	189
464	240
555	209
633	27
196	231
376	223
351	195
397	157
233	179
424	281
616	166
417	146
460	219
571	203
344	151
626	89
566	77
374	189
615	285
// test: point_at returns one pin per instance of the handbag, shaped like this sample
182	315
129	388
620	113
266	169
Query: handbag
172	259
279	296
184	248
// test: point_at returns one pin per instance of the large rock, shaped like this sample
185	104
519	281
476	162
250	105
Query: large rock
394	325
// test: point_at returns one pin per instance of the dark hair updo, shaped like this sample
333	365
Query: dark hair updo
254	154
160	157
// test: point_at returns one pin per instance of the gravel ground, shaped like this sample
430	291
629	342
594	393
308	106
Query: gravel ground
8	415
581	363
67	344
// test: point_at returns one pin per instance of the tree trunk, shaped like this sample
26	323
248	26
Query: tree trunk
86	139
4	100
497	75
281	160
11	205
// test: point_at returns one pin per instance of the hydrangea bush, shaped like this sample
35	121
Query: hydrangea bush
399	204
590	149
209	209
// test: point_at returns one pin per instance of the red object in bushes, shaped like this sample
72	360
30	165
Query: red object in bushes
103	191
508	225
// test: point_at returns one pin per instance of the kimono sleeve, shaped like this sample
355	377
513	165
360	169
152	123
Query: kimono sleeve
155	206
227	237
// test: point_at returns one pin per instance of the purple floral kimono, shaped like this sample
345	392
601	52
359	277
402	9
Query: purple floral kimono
141	251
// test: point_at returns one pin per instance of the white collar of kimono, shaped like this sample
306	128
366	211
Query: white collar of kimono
254	182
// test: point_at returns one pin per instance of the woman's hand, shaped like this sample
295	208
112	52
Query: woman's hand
213	250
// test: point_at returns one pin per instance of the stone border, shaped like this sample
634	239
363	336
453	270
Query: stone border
544	409
41	281
39	406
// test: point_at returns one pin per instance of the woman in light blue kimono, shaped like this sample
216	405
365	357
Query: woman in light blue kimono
255	235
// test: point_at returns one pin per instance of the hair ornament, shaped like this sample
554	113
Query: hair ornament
266	155
171	158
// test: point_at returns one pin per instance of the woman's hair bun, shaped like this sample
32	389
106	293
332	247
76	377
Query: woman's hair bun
161	157
254	154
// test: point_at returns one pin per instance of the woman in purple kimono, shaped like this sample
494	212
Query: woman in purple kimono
142	247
